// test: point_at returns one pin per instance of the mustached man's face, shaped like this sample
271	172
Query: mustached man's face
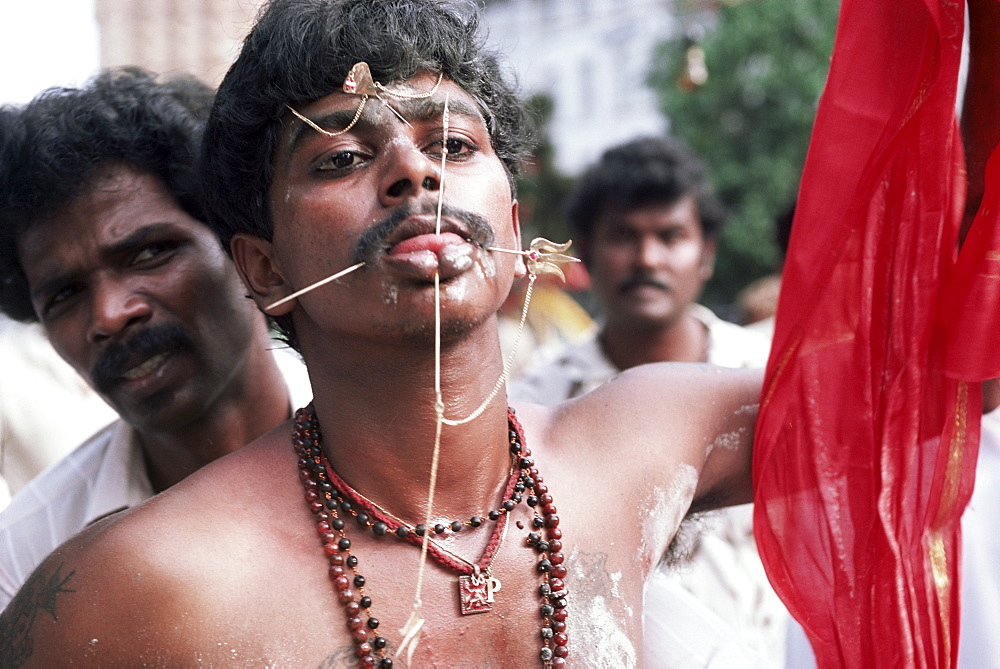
139	298
649	263
371	194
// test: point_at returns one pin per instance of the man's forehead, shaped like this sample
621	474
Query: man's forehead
678	211
115	204
337	111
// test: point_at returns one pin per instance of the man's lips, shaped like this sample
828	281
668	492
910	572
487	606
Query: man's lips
422	229
147	351
144	368
433	243
447	255
376	243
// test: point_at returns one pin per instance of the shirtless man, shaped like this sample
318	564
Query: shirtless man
240	563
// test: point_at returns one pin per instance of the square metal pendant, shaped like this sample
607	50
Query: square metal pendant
474	595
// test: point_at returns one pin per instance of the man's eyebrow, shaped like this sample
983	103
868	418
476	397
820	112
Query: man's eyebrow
137	238
134	240
426	110
332	122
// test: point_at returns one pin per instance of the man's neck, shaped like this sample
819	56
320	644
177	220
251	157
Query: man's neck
629	345
254	401
379	426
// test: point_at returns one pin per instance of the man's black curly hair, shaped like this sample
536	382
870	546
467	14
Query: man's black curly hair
53	148
641	172
302	50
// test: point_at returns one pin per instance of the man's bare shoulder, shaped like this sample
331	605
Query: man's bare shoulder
73	605
161	572
659	418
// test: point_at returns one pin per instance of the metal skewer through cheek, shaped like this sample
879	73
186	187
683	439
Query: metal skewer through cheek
311	287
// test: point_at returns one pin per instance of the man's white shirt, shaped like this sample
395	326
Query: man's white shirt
105	474
718	606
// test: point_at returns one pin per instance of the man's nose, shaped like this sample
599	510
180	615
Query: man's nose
115	307
650	252
408	172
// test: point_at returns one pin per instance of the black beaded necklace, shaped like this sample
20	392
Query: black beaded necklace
326	500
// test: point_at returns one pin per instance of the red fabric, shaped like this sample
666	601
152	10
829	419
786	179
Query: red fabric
970	314
865	450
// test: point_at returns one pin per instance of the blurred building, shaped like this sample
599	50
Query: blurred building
197	36
592	57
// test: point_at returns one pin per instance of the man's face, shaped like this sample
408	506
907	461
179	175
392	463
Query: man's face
138	297
371	194
649	263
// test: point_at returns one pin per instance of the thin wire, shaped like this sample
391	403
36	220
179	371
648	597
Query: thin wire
438	400
413	96
321	282
507	363
357	115
412	628
444	157
393	110
436	457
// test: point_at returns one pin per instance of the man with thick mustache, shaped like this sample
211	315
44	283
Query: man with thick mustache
304	548
103	243
646	222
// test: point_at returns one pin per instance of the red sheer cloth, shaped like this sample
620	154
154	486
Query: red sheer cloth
866	448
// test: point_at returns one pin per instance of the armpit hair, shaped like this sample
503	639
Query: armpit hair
686	538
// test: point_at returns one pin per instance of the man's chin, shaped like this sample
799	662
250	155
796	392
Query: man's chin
162	411
650	317
422	334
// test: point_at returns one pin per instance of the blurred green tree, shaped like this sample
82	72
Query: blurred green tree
765	63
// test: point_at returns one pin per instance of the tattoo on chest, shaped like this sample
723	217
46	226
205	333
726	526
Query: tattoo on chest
38	594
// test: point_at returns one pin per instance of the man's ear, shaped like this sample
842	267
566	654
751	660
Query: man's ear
519	267
261	273
708	258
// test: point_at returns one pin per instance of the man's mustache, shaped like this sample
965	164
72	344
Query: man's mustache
637	280
373	240
119	357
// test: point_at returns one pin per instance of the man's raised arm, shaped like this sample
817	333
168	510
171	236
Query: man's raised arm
980	126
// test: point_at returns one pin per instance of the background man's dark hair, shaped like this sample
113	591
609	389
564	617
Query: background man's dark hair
302	50
55	146
642	172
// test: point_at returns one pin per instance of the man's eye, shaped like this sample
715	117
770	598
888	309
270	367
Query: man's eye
151	252
620	235
59	298
457	148
671	236
340	161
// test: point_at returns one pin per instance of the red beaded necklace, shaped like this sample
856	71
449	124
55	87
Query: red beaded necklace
369	514
327	495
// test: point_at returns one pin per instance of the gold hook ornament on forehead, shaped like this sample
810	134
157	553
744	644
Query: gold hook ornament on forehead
359	82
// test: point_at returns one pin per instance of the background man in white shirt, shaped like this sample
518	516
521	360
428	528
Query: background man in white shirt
103	243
